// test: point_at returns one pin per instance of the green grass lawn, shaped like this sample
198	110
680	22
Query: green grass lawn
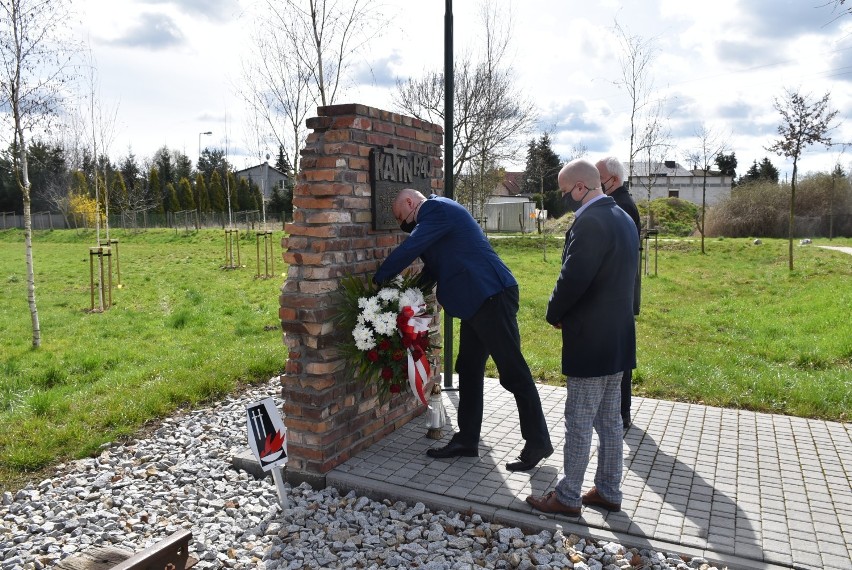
181	331
731	328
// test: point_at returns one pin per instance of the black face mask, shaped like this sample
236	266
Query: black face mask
572	204
407	226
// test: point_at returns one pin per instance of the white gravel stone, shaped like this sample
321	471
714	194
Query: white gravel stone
138	492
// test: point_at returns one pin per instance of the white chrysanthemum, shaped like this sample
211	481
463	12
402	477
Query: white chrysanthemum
385	324
371	309
388	295
398	281
411	298
363	338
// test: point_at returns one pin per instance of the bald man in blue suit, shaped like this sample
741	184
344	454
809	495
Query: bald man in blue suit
475	286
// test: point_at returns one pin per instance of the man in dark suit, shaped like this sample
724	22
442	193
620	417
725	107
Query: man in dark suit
592	303
612	183
475	286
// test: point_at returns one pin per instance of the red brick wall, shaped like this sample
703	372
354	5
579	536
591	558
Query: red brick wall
329	415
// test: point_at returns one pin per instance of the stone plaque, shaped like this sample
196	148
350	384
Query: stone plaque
391	170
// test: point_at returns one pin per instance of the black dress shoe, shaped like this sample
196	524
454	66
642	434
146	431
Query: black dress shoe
453	449
529	458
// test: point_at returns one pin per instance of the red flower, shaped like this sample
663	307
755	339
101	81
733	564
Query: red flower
395	388
398	354
423	342
384	344
387	373
373	355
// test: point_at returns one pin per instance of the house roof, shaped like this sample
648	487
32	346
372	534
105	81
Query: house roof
665	168
257	166
513	181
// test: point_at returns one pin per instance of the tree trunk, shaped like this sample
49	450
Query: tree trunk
703	207
792	211
28	241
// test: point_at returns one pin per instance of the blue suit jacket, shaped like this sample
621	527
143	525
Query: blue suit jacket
593	297
455	253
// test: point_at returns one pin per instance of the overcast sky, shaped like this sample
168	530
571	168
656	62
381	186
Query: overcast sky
171	66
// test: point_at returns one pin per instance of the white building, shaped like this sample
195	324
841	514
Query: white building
671	180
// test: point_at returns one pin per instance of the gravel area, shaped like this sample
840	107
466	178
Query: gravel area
138	492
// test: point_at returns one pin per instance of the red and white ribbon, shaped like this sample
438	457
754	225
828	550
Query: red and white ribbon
412	326
418	375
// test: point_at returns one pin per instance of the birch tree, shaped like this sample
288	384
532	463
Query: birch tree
35	55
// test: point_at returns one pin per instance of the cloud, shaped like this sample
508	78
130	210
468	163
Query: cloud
213	10
379	72
737	110
574	116
840	64
748	53
152	31
784	19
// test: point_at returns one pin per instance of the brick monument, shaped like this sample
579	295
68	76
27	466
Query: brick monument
353	163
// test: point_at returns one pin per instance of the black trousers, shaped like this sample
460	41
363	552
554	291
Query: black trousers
626	389
493	331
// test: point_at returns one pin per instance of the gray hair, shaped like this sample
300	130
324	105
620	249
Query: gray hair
614	167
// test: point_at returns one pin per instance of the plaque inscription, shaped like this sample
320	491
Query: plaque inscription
391	170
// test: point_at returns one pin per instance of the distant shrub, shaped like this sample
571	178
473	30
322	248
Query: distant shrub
762	209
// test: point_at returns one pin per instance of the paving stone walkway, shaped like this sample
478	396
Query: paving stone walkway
744	489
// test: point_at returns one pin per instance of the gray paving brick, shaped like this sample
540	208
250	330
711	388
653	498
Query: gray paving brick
807	559
707	478
830	561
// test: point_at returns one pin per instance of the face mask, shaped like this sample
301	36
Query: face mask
572	204
407	226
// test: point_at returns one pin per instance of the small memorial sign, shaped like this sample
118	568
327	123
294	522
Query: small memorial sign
267	435
391	170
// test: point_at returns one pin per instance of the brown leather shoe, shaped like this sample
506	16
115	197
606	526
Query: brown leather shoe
594	499
550	504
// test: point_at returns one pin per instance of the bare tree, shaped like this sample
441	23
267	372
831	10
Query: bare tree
490	118
636	58
804	122
711	144
58	194
102	124
654	140
278	91
838	8
302	52
34	54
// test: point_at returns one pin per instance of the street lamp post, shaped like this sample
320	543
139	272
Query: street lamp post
199	142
